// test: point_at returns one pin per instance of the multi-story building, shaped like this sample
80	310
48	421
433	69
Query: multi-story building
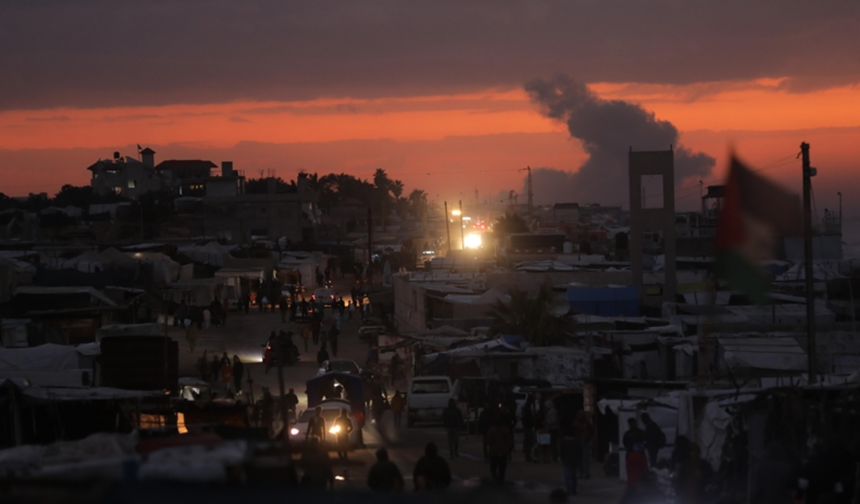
126	176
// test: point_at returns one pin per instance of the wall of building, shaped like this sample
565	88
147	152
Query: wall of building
409	305
532	281
270	215
131	178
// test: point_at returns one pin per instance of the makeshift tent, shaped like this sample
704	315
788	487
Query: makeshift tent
496	345
821	273
164	269
353	387
48	357
763	353
88	262
212	253
111	255
605	301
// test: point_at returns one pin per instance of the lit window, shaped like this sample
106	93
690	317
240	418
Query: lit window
132	184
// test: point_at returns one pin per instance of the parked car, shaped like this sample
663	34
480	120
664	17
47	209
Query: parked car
427	398
341	366
324	296
331	409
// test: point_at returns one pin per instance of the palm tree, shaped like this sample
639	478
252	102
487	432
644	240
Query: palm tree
510	223
417	201
528	316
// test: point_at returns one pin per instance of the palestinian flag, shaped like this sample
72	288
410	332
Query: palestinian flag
755	215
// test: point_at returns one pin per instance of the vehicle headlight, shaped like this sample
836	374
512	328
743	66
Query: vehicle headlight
294	432
335	429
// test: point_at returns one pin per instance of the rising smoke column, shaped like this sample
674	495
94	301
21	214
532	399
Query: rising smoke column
607	129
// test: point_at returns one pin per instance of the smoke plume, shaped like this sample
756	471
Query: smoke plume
607	129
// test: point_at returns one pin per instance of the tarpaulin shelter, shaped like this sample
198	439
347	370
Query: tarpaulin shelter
605	301
352	384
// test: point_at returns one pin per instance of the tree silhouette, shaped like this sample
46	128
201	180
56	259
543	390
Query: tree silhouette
528	316
510	223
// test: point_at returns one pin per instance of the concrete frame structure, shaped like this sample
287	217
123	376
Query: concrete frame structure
661	220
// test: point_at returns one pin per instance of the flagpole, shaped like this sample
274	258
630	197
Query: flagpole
808	173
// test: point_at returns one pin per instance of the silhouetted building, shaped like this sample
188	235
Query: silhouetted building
125	176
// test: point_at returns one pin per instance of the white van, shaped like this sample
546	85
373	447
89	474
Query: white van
427	398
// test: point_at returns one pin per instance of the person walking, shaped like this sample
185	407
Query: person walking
394	367
226	372
282	305
552	425
291	401
431	472
499	447
384	476
214	369
306	335
342	429
586	433
570	451
293	307
485	421
322	356
398	404
316	426
654	438
191	335
452	418
634	445
528	422
203	366
333	333
238	373
316	325
350	310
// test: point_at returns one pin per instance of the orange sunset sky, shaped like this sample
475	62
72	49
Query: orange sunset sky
378	86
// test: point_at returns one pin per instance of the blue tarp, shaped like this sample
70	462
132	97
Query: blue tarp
605	301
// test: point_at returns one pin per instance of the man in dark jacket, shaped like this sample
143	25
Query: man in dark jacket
384	476
634	445
528	421
654	438
499	448
485	421
453	420
431	472
570	452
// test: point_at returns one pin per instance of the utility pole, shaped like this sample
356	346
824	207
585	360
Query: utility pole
531	194
369	243
808	173
462	238
448	227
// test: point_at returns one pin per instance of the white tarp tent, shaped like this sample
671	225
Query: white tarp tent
164	269
212	253
486	347
49	357
776	353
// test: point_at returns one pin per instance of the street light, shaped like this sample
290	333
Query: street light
455	212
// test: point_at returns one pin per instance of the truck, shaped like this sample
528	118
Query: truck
427	399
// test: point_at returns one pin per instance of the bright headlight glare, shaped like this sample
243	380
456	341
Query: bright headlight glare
294	432
335	429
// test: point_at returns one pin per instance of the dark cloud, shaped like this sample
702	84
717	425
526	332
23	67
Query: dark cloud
607	130
113	53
